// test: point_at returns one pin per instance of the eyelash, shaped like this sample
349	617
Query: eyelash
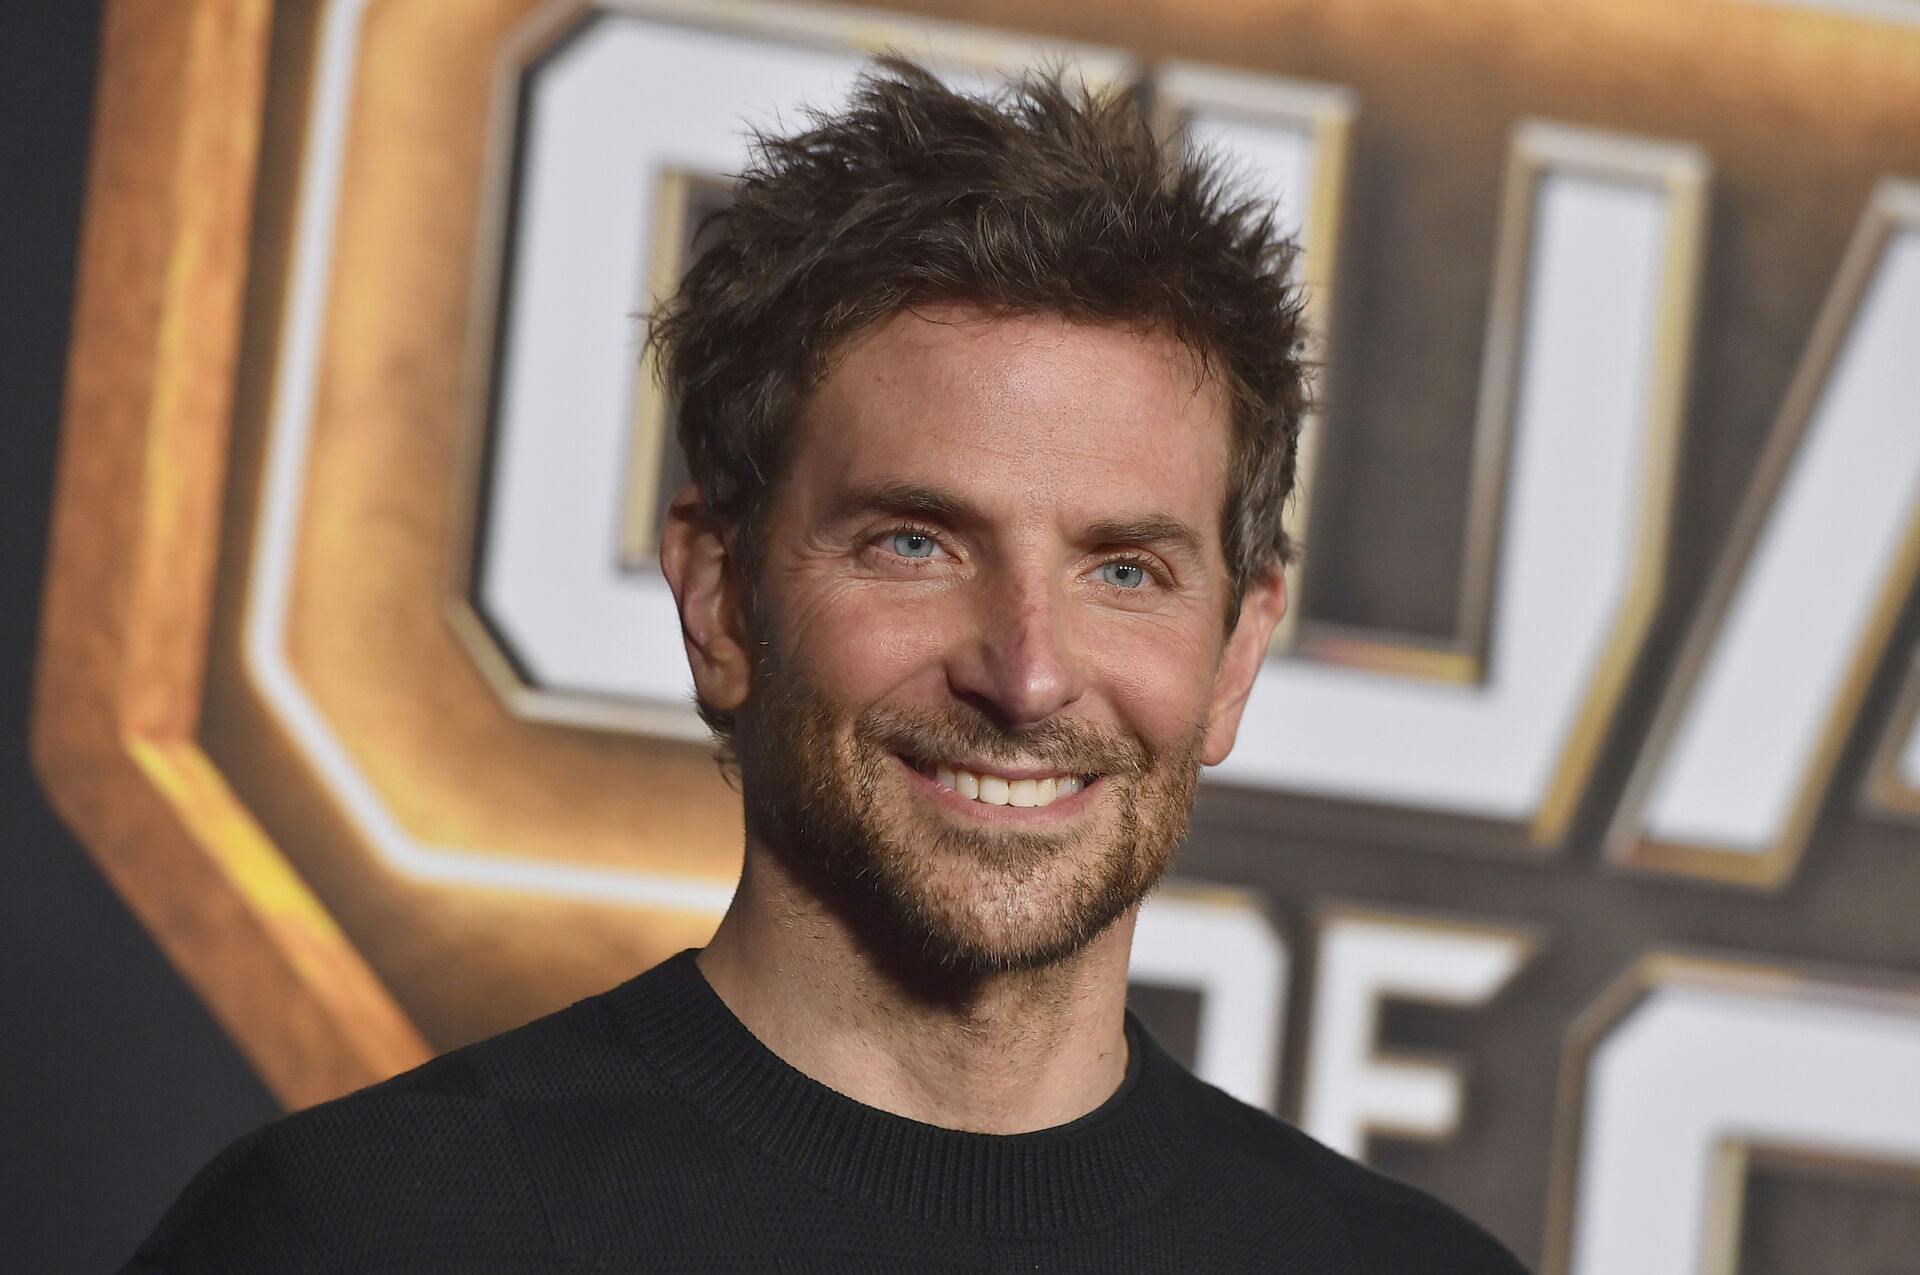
1146	564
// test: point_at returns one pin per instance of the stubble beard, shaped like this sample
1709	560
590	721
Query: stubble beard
828	797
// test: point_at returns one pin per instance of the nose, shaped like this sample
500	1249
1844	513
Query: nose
1020	665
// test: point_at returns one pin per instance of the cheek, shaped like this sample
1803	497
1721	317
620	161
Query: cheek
862	643
1160	683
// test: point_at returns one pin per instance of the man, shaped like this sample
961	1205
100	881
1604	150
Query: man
991	409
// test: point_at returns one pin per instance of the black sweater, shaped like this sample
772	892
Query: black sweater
647	1130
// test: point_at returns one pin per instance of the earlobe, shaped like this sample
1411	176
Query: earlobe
700	568
1261	610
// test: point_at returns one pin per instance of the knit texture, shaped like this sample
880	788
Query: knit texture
647	1129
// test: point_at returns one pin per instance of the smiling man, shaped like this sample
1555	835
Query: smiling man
991	409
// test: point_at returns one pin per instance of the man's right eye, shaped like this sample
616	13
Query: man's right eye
910	544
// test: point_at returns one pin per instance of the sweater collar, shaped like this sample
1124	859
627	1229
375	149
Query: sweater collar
1108	1163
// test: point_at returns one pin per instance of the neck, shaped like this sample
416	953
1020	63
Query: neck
1007	1052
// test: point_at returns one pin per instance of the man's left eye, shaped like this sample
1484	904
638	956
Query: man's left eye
1123	575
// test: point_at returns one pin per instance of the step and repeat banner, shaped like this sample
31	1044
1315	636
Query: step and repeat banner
1569	862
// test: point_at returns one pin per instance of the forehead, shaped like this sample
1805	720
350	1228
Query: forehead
1020	414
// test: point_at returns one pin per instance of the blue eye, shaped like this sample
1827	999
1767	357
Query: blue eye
911	544
1123	575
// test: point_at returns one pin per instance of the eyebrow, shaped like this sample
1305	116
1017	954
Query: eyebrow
1156	531
902	498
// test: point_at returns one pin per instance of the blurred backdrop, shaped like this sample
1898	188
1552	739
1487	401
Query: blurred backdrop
1569	861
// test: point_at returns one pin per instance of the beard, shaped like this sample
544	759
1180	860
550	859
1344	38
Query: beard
828	795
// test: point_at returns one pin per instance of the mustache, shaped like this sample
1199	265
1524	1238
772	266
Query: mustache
1069	747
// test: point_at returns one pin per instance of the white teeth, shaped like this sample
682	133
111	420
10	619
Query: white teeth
995	790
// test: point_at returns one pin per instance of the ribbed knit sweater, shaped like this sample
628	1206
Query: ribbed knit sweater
647	1129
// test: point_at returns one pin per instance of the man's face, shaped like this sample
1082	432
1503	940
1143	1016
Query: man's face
989	623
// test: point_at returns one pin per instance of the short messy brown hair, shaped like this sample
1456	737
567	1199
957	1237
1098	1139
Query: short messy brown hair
1047	197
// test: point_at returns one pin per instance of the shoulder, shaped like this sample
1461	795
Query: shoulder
431	1161
1388	1225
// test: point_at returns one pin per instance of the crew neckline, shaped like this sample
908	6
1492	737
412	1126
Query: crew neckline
1102	1165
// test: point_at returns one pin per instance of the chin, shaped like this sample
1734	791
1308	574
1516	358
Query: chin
931	886
966	915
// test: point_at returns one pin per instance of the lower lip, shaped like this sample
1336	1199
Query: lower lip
1061	808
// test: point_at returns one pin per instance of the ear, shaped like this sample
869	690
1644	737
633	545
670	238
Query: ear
1260	612
698	562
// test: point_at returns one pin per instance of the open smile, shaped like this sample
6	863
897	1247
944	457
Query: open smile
1023	794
